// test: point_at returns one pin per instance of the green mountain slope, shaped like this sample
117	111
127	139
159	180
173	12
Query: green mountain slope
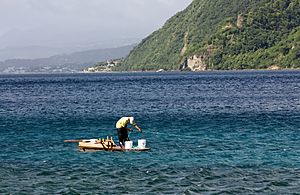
223	34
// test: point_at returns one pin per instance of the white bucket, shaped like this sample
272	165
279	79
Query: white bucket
142	143
128	144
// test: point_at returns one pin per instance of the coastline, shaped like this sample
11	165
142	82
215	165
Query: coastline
150	71
209	70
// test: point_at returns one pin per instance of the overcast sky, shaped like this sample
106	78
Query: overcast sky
81	23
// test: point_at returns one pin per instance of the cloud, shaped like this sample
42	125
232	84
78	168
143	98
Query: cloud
49	22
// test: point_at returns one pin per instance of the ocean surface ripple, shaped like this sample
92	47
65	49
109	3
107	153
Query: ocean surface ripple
209	133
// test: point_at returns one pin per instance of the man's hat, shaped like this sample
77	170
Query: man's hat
131	120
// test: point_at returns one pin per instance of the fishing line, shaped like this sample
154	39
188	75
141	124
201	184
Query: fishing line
171	134
141	135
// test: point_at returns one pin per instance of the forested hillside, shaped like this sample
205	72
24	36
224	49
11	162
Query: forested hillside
224	34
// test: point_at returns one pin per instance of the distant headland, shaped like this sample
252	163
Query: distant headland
221	35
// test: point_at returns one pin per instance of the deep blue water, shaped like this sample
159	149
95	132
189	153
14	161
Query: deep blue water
211	132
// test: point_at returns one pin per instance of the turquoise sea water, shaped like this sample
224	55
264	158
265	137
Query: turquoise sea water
211	132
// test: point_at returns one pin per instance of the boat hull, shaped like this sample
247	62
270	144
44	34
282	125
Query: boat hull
89	146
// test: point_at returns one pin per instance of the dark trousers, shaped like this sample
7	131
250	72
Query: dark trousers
123	135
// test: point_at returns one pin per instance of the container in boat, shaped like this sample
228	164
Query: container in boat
93	141
142	143
128	144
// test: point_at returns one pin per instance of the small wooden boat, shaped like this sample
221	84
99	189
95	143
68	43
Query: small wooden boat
103	144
